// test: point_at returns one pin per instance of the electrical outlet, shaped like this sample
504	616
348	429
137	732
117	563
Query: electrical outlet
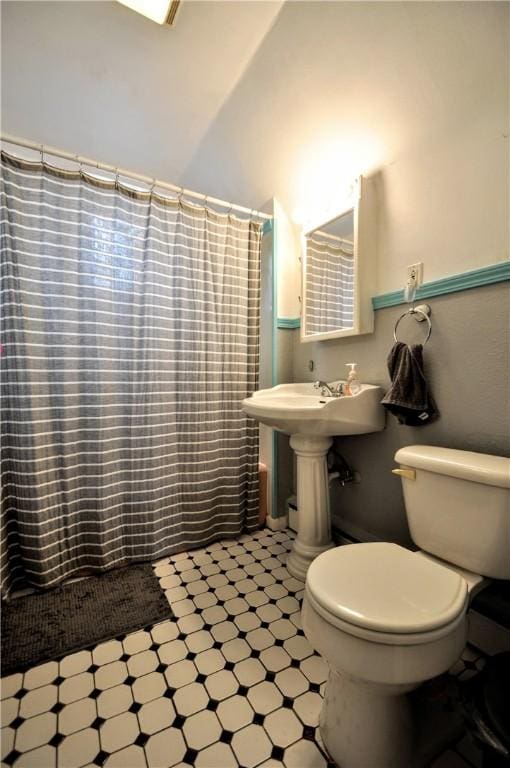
415	274
414	280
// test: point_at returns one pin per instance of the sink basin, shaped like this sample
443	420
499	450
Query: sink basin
312	421
300	409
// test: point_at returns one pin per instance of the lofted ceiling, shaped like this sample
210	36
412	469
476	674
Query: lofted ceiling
341	88
98	79
246	100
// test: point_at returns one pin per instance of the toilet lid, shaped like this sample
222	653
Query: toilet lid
386	588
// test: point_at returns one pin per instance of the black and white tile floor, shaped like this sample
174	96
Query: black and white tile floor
230	681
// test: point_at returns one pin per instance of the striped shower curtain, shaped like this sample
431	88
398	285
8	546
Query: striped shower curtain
329	285
130	336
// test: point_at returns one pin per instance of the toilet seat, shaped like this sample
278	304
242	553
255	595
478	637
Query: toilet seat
386	593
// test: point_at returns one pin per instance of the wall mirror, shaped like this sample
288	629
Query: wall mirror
338	268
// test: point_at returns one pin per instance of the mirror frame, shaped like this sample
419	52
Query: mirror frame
364	265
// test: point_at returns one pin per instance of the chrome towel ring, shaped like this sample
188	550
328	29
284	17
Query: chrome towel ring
424	311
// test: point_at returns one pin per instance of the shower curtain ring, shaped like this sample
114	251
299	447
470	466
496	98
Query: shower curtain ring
116	178
41	150
179	196
151	190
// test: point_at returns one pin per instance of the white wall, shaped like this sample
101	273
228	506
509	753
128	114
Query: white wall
288	245
417	91
250	100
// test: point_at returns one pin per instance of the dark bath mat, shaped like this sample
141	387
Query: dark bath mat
51	624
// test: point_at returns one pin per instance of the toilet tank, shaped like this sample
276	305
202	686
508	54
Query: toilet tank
458	507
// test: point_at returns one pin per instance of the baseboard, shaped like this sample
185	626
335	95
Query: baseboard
341	539
352	534
487	635
277	523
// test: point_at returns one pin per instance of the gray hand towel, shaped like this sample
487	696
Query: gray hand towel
408	397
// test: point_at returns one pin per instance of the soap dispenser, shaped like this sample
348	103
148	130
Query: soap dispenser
353	385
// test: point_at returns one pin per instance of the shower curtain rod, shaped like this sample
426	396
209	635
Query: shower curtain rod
44	149
333	237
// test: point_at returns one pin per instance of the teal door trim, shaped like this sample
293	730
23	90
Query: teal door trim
288	322
267	226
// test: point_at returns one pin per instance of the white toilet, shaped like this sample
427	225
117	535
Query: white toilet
387	619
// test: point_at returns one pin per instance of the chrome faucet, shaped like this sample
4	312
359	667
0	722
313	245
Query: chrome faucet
327	390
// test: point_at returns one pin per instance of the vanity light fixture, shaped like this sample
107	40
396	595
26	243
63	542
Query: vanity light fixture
160	11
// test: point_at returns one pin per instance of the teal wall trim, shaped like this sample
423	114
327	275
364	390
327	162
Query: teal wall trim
288	322
267	226
494	273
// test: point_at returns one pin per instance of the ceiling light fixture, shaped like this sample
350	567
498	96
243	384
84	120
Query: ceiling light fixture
160	11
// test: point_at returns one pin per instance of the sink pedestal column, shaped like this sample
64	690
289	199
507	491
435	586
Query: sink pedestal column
314	534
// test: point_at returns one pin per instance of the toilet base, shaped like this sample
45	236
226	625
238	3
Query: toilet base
378	726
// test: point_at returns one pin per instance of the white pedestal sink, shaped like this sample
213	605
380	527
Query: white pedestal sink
312	421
